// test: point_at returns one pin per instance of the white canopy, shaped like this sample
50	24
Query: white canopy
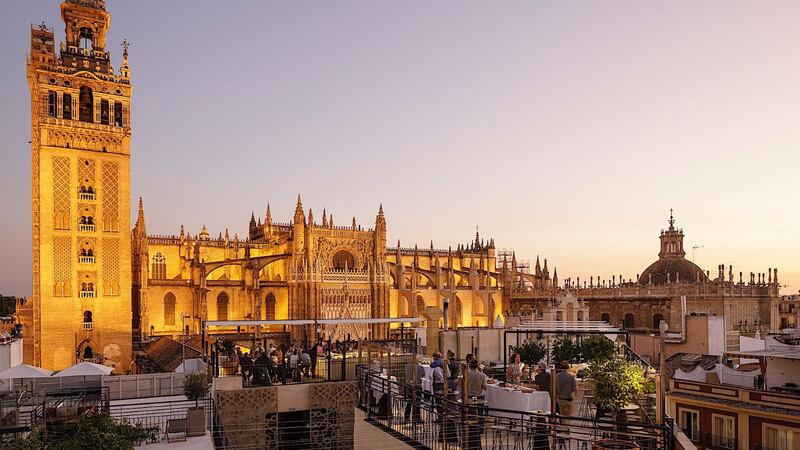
193	365
24	371
85	369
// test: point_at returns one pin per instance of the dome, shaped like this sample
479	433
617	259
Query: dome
679	269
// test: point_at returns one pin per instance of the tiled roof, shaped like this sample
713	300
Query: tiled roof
167	353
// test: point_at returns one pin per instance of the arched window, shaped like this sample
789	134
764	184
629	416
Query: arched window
344	260
657	318
86	108
52	102
158	269
87	317
222	306
104	112
67	107
169	309
269	307
605	317
559	315
580	315
85	38
630	322
88	353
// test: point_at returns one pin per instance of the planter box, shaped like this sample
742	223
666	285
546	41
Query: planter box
196	421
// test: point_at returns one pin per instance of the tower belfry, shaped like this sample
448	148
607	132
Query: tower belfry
80	152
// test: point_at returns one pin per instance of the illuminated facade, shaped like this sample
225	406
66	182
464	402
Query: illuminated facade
80	147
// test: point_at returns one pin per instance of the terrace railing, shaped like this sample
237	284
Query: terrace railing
425	420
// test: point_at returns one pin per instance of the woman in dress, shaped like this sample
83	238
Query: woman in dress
515	369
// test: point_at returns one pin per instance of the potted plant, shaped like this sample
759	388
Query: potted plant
616	383
597	348
564	349
195	387
530	353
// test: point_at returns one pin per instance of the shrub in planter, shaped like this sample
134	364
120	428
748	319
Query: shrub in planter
530	353
564	349
597	348
196	386
616	382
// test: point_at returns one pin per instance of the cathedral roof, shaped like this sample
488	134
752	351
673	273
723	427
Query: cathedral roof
678	269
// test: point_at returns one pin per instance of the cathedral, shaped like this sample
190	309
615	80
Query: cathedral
99	284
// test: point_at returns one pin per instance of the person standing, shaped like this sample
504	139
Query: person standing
566	386
542	378
453	366
414	375
315	351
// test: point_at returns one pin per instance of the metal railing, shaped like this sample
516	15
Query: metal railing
91	196
425	420
86	259
157	414
86	227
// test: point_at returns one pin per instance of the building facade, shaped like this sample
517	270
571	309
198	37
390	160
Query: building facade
98	286
80	148
668	290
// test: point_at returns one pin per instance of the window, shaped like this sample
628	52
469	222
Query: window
776	437
158	270
87	317
88	353
86	100
630	322
52	99
169	309
269	307
222	306
690	424
723	431
85	38
605	317
344	260
104	112
657	318
67	107
117	114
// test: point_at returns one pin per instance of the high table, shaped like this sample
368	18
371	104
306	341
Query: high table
515	400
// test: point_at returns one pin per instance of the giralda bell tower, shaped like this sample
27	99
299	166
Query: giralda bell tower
80	152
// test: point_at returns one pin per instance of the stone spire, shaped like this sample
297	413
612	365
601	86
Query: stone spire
299	215
310	217
555	277
354	223
324	218
268	217
140	228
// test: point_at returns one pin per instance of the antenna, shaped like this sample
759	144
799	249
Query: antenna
695	247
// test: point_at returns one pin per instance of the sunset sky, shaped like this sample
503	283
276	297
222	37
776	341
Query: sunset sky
562	129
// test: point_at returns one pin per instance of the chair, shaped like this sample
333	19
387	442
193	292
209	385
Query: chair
176	426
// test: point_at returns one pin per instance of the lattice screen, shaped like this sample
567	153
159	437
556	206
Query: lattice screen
61	192
110	266
62	266
110	195
86	172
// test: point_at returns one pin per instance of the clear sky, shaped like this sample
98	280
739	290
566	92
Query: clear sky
563	129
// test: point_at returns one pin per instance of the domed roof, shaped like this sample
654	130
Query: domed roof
679	269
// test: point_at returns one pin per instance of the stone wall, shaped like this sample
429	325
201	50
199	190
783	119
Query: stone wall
250	417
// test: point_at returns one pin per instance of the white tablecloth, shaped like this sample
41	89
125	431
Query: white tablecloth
507	398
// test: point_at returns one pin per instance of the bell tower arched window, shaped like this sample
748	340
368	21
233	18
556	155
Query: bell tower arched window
86	100
85	38
158	269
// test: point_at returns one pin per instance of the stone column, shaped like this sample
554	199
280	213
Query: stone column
432	314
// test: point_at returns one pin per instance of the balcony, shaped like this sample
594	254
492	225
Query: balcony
86	259
89	196
87	294
88	326
86	227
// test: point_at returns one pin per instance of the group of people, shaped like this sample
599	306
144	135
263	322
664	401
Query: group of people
277	364
449	371
565	383
445	371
